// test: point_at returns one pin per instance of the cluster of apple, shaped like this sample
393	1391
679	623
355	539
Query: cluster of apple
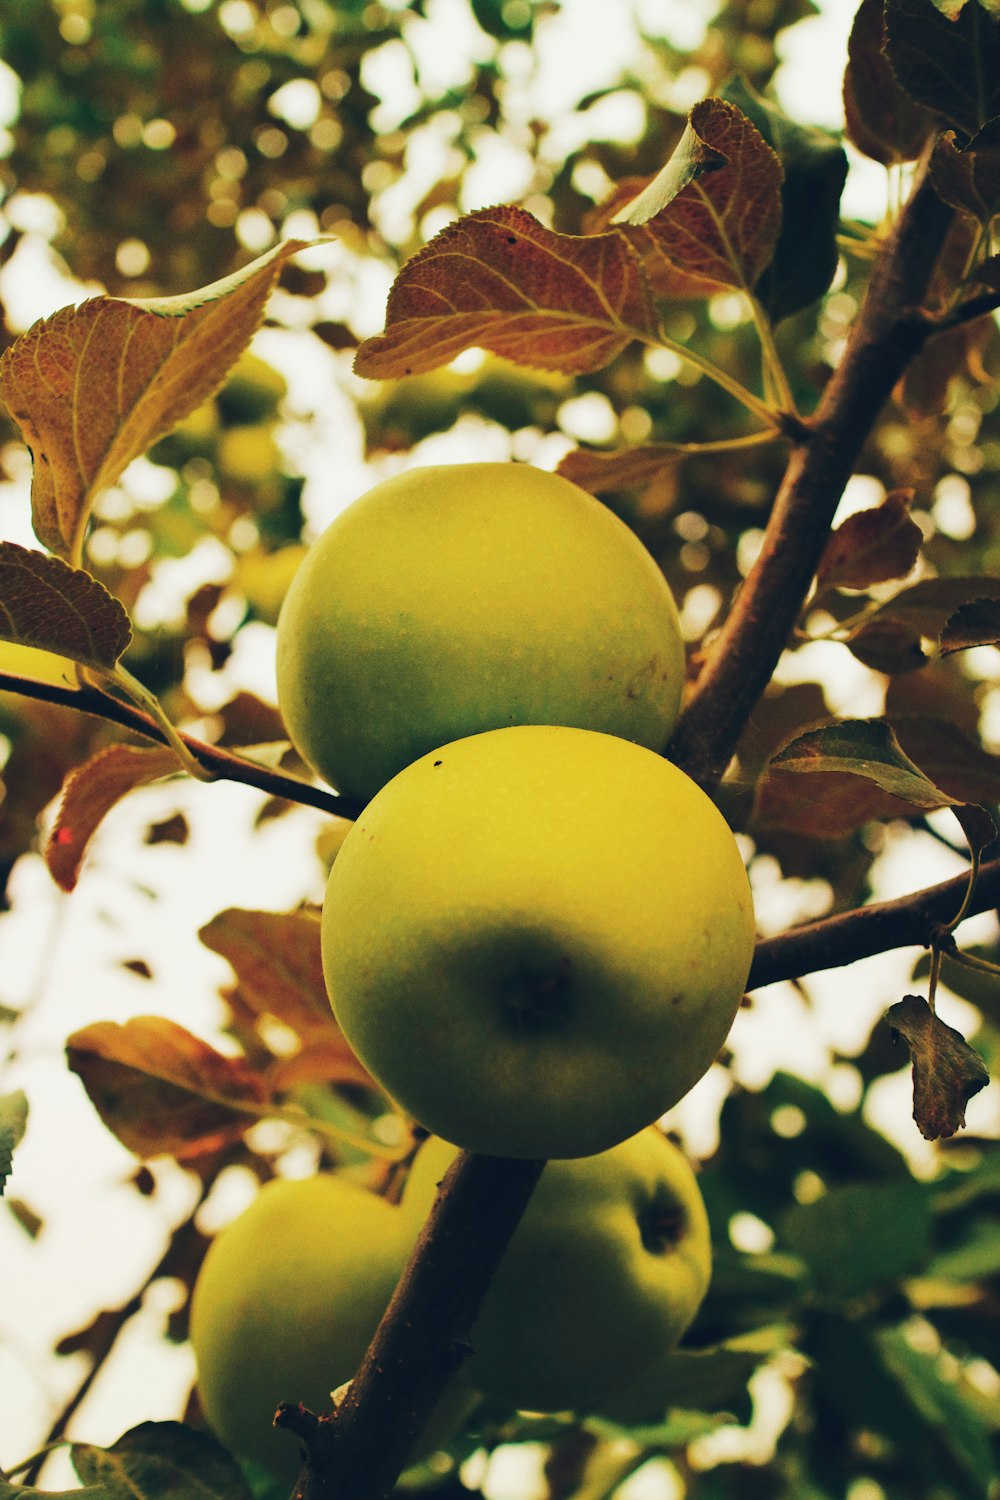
535	936
605	1272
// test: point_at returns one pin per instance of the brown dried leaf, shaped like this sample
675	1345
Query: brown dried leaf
711	217
46	604
89	792
499	280
628	469
954	760
865	748
160	1089
278	965
825	805
323	1059
872	546
882	121
947	1072
94	386
969	177
974	624
172	830
891	640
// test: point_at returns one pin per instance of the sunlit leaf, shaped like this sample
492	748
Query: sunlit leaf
499	280
160	1089
711	218
95	386
947	1072
13	1119
161	1461
814	168
90	791
951	66
48	605
882	121
872	546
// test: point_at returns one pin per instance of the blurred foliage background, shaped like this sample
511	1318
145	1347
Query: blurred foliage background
152	146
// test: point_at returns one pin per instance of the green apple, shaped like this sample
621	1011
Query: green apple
537	938
285	1305
605	1271
459	598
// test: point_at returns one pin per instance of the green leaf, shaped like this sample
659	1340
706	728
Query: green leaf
938	1400
13	1118
951	66
977	1256
815	170
860	1236
51	606
161	1461
947	1072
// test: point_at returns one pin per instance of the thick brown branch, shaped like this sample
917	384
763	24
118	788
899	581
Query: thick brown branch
909	921
888	332
358	1453
222	763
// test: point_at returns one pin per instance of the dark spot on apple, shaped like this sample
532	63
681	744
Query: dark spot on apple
676	999
439	763
537	998
662	1226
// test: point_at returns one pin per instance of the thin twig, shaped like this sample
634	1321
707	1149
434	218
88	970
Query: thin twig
222	764
908	921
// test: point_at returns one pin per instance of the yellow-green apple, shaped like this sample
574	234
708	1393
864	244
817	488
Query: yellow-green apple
537	938
458	598
285	1304
605	1272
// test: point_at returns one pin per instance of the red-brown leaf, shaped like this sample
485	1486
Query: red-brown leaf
89	792
872	546
499	280
278	966
160	1089
628	469
711	218
94	386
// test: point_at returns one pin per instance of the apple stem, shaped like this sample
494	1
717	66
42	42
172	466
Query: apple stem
358	1451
